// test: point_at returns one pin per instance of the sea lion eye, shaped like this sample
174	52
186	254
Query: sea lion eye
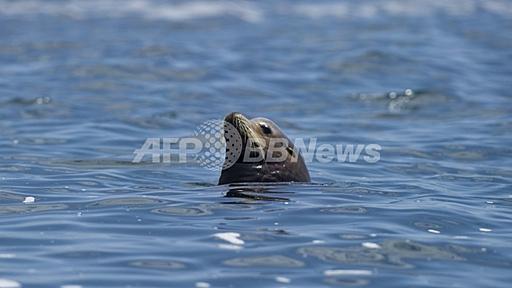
265	128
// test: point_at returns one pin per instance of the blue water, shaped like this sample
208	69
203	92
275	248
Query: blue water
84	83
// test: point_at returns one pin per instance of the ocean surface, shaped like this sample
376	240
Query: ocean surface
83	84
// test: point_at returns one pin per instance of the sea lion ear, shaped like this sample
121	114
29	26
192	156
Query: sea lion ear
291	151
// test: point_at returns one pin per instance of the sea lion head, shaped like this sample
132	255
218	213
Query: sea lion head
267	154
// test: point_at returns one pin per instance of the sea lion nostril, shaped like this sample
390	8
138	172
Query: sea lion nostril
234	118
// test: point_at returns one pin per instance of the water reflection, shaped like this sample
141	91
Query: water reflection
257	192
390	253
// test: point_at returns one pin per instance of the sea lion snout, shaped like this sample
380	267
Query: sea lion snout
230	118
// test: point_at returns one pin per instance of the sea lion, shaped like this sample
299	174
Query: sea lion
255	163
